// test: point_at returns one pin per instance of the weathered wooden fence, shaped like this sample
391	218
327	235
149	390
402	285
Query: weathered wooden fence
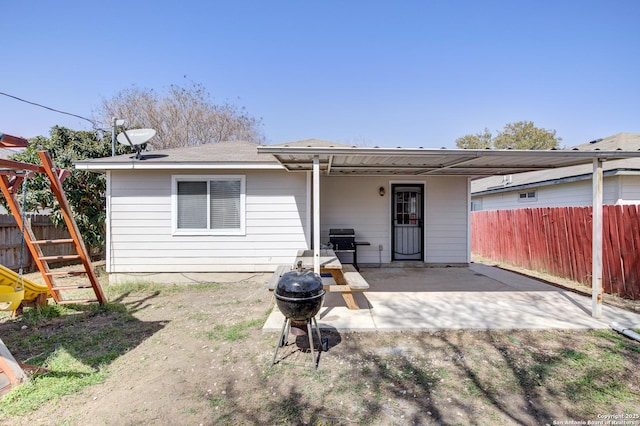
558	241
43	229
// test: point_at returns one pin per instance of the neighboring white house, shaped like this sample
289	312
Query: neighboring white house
180	214
566	186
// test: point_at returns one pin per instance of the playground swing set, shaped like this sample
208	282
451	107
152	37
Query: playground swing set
17	292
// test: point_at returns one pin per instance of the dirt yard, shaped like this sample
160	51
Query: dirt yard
199	357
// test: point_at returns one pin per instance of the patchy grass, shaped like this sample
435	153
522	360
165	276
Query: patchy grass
73	344
56	339
120	290
197	355
232	333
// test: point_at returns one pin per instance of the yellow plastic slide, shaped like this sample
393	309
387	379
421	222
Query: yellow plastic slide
10	298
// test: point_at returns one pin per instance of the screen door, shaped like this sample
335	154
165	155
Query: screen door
407	226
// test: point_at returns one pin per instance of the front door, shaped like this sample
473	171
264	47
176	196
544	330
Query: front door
407	222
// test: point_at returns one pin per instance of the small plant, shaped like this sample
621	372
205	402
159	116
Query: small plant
33	316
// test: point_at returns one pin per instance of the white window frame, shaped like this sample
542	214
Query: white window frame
527	198
476	205
207	178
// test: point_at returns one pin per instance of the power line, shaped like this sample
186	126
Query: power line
49	108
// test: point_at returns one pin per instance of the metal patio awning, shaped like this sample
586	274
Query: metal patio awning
346	160
336	159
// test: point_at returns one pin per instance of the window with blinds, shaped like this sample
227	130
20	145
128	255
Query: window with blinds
211	204
192	205
225	204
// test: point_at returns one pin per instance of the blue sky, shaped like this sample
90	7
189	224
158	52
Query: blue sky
403	73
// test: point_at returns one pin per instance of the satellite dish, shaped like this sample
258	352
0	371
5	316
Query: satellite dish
135	138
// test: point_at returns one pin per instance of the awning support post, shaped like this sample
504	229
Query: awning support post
316	214
596	262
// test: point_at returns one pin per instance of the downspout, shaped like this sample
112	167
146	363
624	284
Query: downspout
626	331
309	210
108	246
469	214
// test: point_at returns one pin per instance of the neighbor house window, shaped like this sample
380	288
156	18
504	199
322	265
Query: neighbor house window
209	204
528	196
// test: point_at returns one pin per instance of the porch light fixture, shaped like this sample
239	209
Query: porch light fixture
381	191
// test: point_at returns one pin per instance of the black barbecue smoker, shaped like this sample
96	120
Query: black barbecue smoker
299	296
343	240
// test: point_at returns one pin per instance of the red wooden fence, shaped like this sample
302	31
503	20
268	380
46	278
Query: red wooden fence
558	241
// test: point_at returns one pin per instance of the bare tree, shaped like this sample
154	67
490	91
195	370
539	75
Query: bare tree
183	116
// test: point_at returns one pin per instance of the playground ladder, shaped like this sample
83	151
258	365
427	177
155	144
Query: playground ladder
9	187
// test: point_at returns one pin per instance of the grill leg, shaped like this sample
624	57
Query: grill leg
324	342
310	334
282	340
315	323
355	257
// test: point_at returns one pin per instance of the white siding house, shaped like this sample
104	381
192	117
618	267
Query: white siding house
154	233
566	186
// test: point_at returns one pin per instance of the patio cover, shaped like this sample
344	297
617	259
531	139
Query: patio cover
338	159
351	160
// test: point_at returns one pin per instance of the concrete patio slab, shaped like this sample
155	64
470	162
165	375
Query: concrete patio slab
477	297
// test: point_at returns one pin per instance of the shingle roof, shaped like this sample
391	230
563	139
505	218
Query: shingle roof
212	154
620	141
220	154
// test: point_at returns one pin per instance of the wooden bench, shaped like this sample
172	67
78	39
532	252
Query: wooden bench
280	271
351	281
353	278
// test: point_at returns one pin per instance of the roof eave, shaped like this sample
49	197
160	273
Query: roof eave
138	165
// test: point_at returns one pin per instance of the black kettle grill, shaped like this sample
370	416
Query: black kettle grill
299	296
